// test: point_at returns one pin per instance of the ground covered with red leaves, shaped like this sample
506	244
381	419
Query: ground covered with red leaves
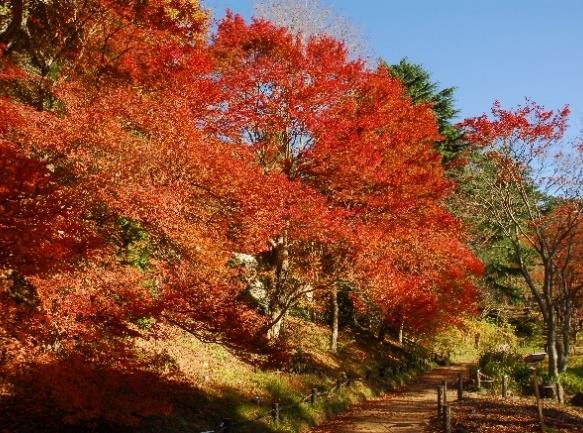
513	415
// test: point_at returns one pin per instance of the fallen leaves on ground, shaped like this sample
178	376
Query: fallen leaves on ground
515	415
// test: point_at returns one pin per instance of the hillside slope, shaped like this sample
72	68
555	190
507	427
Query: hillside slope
223	382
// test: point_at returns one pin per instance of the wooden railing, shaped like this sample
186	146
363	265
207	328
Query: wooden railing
315	395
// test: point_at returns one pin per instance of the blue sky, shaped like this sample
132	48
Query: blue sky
497	49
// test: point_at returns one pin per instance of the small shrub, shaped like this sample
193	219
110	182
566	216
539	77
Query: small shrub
499	363
474	337
572	379
145	323
300	362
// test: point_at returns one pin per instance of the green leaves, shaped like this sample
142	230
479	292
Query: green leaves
422	90
137	248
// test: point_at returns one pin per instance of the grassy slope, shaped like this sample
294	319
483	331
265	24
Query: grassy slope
226	383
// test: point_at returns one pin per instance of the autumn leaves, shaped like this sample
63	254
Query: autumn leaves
254	142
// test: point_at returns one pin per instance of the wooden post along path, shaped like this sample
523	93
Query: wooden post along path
539	404
439	400
447	418
460	386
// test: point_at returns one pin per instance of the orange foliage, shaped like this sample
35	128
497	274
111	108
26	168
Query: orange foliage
211	148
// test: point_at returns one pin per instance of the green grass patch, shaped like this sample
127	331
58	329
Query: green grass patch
572	379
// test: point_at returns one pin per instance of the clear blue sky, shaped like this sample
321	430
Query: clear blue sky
497	49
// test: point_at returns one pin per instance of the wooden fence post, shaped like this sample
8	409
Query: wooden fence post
478	379
439	400
313	396
539	405
226	425
275	413
444	393
505	386
447	418
460	386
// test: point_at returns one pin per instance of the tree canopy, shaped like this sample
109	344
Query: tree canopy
145	157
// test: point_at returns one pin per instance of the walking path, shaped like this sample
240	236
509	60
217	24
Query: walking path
407	410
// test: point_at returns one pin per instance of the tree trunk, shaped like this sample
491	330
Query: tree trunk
548	308
401	332
565	337
8	35
563	356
280	251
552	347
335	312
274	331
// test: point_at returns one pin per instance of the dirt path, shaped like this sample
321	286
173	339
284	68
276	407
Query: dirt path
408	410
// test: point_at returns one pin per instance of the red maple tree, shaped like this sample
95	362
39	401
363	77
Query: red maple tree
139	157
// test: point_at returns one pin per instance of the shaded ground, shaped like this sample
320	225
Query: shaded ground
516	415
410	410
188	383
